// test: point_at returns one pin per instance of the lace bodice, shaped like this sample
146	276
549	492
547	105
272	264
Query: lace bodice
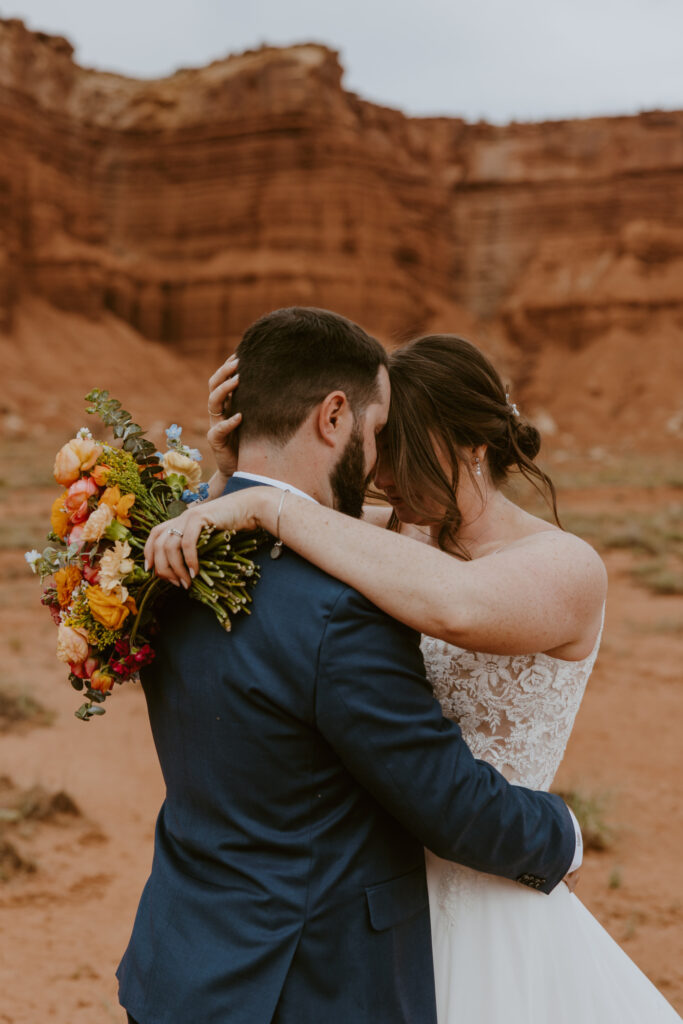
515	711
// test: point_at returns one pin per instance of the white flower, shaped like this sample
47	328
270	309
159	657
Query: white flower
114	566
83	433
32	557
97	522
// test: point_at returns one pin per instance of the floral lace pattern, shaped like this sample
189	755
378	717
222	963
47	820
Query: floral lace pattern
516	712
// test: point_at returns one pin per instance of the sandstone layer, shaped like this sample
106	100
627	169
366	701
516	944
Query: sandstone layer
186	207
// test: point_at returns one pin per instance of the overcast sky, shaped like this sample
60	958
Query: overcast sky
499	60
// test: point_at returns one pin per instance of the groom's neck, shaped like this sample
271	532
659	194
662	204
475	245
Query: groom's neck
298	467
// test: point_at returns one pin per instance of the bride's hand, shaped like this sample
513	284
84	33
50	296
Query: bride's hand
171	548
221	386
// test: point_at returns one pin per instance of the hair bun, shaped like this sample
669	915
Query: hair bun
527	438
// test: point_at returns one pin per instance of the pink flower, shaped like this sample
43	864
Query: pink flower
72	645
76	501
90	574
76	536
84	669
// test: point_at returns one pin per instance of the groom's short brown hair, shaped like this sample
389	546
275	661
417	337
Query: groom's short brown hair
291	359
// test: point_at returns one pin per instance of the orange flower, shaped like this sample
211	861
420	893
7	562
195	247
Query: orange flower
119	505
75	457
59	517
101	680
100	474
108	609
67	580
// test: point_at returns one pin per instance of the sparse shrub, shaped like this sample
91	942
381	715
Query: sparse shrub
17	708
591	811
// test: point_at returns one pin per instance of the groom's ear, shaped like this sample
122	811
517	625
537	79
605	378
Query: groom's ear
333	416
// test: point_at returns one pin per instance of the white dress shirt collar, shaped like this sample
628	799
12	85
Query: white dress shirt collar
258	479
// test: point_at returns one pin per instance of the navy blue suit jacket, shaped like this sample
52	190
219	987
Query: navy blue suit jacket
306	765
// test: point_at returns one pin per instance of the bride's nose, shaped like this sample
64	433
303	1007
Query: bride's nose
384	478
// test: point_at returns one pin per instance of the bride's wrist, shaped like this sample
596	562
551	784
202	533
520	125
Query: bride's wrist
266	504
217	485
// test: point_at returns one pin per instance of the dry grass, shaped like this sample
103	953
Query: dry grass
603	470
591	810
20	708
18	807
654	538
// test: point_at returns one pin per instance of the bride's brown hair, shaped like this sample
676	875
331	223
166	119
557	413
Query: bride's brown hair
445	392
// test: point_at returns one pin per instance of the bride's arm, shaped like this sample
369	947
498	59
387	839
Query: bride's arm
538	595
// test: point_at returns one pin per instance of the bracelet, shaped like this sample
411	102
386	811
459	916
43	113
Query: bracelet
276	550
279	513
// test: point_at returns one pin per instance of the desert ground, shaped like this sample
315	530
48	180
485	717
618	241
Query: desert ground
78	801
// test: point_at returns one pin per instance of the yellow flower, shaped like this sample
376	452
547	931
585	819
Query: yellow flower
72	644
120	505
97	522
114	565
108	609
74	458
59	517
66	581
175	462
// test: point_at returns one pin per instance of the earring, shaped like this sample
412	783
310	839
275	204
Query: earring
477	463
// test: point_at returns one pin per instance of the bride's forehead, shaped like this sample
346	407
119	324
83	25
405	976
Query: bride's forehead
384	388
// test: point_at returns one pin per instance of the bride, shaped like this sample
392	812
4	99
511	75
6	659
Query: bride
511	611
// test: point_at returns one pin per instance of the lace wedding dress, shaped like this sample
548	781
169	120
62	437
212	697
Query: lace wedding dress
504	953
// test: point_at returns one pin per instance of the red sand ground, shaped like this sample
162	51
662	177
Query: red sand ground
65	926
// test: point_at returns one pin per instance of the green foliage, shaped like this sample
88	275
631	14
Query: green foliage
120	420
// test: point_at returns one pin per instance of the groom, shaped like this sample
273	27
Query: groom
306	762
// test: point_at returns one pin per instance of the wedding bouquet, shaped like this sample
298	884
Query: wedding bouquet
102	599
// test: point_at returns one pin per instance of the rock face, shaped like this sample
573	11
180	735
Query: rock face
188	206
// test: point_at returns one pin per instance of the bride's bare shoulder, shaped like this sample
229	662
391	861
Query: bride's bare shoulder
377	515
562	550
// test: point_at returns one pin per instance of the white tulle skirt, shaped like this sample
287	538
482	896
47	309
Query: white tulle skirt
506	954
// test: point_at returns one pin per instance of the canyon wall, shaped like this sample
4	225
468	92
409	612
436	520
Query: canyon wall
186	207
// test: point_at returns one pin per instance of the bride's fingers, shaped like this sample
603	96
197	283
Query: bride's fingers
166	563
226	370
217	434
150	546
193	529
221	394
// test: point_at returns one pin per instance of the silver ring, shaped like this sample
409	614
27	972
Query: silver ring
178	533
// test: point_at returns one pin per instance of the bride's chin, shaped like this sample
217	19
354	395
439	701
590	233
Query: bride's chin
405	514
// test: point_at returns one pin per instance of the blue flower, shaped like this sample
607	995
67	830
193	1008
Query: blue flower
188	497
173	432
159	456
203	490
194	453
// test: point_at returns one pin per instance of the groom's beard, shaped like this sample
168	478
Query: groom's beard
349	480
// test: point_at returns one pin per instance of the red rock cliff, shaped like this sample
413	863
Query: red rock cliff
188	206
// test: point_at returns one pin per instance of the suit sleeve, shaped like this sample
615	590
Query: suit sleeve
375	707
